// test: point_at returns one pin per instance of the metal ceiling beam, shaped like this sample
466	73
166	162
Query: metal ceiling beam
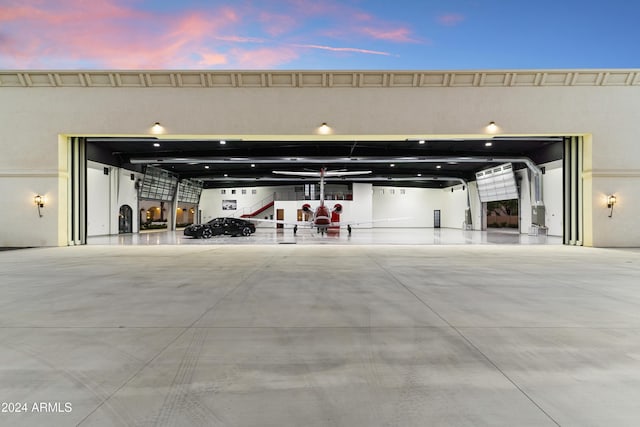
329	160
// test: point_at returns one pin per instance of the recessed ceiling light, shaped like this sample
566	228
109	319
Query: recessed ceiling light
206	167
392	165
226	175
155	144
253	165
488	144
222	142
422	141
419	174
438	167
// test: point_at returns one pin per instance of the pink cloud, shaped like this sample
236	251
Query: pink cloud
263	58
108	35
450	19
117	34
213	59
398	35
241	39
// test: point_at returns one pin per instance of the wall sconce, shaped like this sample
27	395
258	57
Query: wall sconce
39	201
157	128
492	127
611	200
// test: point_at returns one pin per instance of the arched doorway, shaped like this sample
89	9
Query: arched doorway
125	219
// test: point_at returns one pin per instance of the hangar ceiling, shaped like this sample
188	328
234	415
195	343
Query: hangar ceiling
433	163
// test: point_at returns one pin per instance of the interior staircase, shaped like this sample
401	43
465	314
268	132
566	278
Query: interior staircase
259	211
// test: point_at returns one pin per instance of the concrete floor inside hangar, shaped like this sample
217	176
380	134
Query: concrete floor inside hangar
321	335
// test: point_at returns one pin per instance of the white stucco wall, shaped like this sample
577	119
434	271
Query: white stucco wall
36	110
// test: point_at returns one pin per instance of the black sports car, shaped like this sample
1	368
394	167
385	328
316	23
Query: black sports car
217	226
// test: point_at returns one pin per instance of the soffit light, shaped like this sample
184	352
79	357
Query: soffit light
324	129
157	128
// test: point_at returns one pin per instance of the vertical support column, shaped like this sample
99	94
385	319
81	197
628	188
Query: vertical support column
174	208
580	190
77	160
573	188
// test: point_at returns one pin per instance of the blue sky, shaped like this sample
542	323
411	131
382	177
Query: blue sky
319	34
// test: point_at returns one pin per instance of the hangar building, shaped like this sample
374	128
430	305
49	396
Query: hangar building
568	134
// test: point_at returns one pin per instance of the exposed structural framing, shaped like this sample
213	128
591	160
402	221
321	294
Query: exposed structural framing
328	79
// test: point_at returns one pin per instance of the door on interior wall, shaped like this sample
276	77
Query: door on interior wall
436	218
303	216
125	219
280	217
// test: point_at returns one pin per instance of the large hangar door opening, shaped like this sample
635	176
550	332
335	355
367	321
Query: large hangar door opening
442	170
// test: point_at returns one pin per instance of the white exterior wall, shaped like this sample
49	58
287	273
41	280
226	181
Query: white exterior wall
40	108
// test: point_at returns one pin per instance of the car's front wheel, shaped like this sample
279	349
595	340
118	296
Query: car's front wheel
246	231
206	233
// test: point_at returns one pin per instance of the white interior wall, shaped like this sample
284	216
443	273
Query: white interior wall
454	204
105	195
362	206
414	208
417	204
552	195
128	195
211	201
98	201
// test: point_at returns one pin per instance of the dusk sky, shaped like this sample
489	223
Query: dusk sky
319	34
